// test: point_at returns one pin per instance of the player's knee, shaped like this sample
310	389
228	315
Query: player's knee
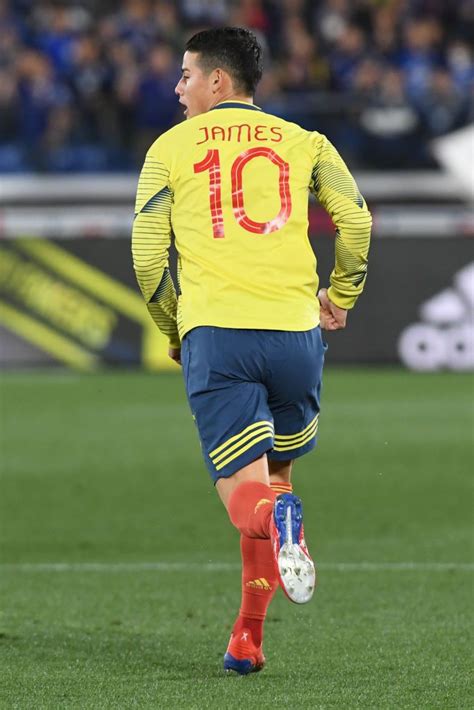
249	508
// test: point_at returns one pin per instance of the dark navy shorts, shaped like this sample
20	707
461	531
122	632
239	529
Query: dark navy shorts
251	392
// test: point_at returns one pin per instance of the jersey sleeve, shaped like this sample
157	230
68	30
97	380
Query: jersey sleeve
151	239
336	190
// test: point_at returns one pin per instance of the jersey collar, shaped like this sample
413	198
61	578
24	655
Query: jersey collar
237	104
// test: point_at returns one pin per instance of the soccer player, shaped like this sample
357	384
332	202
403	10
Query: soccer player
232	184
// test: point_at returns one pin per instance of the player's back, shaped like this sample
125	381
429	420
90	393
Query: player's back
240	180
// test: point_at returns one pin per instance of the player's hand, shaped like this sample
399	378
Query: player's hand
332	317
175	355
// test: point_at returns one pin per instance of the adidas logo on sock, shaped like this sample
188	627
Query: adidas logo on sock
261	502
260	583
445	338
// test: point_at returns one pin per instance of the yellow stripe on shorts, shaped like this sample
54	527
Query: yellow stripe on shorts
286	438
266	435
236	437
298	440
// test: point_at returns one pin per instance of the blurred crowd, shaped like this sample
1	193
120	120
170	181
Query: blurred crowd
88	86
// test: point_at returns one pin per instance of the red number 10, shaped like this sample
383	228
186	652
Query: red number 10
211	162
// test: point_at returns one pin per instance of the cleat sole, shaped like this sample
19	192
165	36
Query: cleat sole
296	569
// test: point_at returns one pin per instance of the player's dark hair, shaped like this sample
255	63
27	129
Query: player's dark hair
231	48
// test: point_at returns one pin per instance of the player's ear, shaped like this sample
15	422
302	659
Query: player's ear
216	79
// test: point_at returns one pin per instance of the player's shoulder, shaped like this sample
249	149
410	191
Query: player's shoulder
170	139
293	130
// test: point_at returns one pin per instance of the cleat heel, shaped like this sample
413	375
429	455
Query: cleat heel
242	656
242	667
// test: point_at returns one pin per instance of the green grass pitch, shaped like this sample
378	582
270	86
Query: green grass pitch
119	571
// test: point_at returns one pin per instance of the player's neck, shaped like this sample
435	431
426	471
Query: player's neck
231	96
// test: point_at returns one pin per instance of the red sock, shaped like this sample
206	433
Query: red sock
250	508
281	487
259	579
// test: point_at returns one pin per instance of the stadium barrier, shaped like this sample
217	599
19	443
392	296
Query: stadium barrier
75	302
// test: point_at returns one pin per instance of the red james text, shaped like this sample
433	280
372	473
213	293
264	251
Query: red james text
241	132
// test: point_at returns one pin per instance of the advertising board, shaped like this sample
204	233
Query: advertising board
75	302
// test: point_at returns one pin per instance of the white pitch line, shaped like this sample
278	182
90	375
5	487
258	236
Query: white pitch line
107	567
119	566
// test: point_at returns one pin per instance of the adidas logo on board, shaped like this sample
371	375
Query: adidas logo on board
445	338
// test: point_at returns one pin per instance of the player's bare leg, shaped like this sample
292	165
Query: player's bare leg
262	470
280	471
255	497
257	471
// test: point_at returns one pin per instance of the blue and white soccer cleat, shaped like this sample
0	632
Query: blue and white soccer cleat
296	571
242	655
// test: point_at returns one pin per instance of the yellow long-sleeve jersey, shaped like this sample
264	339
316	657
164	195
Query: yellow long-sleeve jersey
232	185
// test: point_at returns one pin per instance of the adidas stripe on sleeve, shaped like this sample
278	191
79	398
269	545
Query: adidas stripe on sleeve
336	190
151	239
